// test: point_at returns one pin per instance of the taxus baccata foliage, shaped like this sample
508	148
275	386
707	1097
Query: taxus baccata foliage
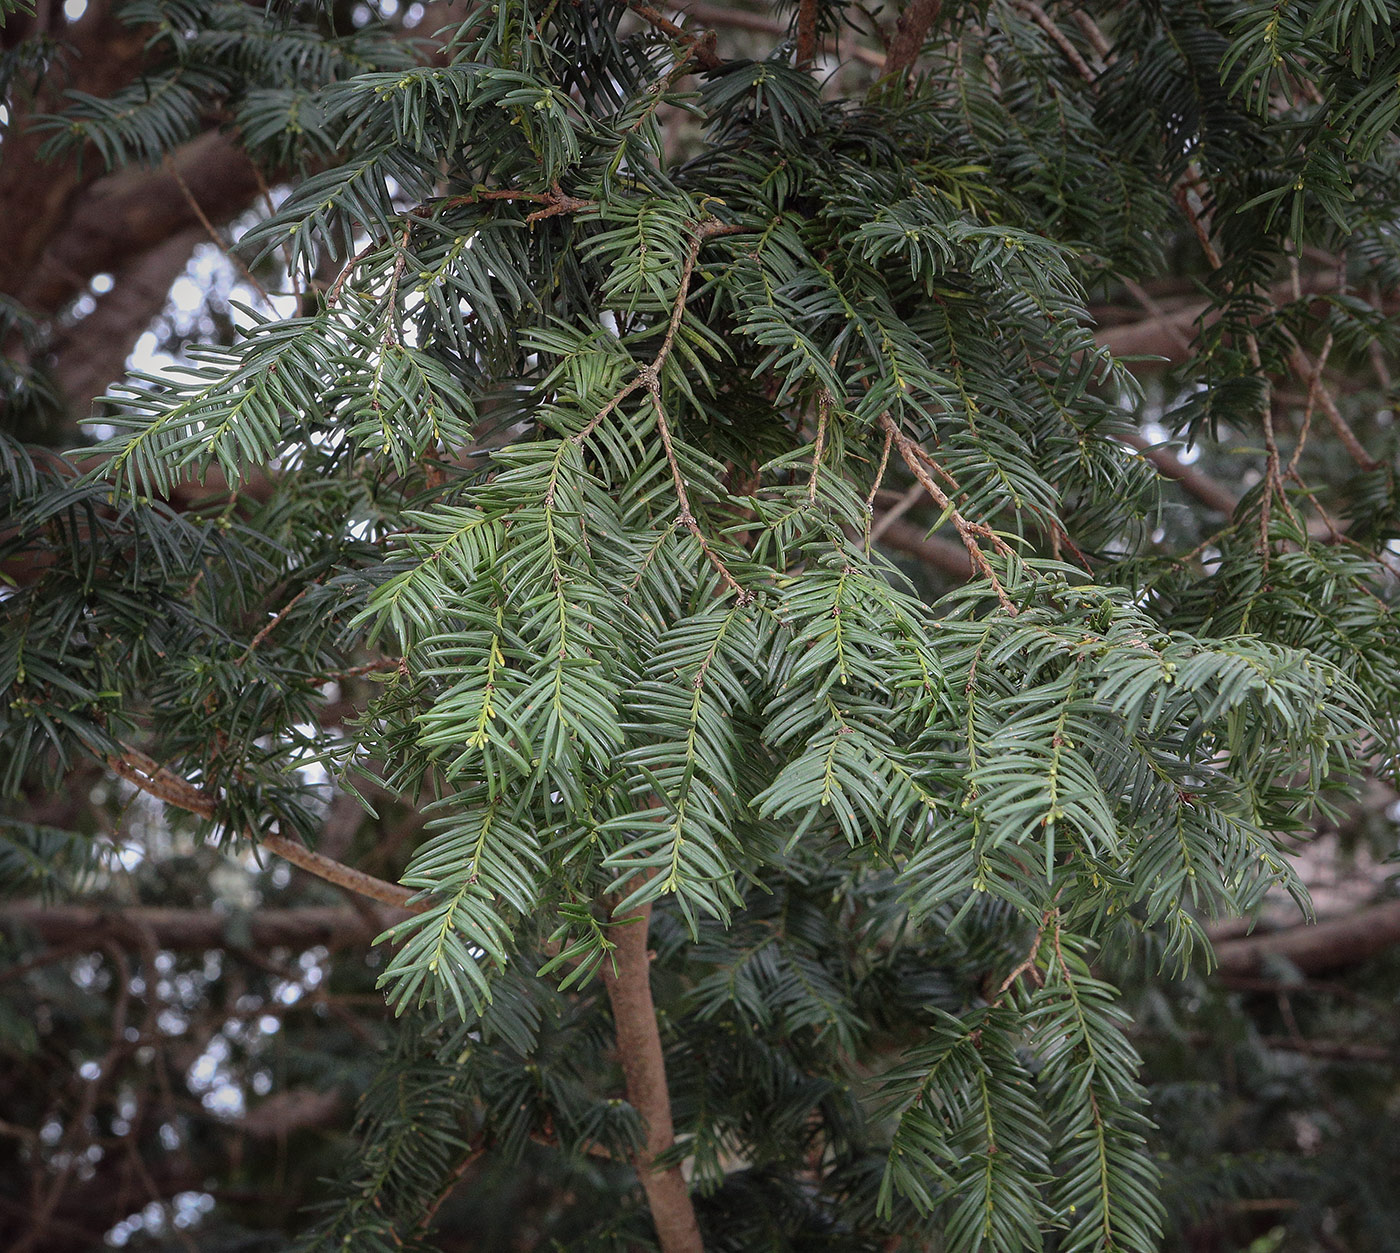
608	355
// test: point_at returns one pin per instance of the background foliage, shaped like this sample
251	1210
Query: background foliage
625	481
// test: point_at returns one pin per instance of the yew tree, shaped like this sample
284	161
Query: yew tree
774	573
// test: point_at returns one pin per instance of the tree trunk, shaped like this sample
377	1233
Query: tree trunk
628	981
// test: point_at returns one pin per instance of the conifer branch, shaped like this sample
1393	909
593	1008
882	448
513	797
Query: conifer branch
688	519
552	202
649	375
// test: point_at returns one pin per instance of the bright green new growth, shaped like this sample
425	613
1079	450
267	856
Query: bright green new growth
591	436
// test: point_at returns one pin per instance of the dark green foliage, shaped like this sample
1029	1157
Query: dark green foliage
575	442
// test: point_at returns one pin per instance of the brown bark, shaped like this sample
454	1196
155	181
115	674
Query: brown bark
943	555
90	354
806	33
628	983
1168	332
67	220
37	195
129	212
191	929
1329	945
910	31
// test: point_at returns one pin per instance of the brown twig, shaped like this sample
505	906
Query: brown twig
880	469
292	276
823	416
333	294
554	201
157	781
369	667
687	518
271	625
1305	371
1028	963
651	372
1274	485
699	48
1058	37
1314	383
558	202
1196	218
210	230
649	377
969	532
472	1156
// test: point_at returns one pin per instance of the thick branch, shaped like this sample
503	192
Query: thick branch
910	32
628	982
191	929
806	33
105	54
92	352
126	213
1204	488
1169	329
943	555
1329	945
1056	36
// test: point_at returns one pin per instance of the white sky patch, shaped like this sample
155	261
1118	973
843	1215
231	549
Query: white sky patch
73	10
1156	433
